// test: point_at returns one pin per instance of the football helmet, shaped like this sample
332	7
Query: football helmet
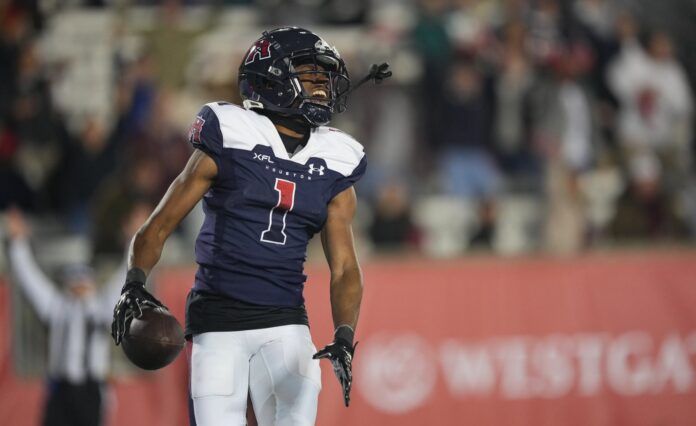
271	75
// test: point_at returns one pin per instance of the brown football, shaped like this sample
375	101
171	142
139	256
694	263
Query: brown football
153	340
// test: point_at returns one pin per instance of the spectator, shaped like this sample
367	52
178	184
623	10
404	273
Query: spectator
656	101
466	166
14	189
597	21
654	129
513	87
19	20
35	122
563	129
86	163
392	226
433	45
644	207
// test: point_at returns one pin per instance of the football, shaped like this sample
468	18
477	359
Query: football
154	340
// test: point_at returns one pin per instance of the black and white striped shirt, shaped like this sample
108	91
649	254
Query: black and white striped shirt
79	344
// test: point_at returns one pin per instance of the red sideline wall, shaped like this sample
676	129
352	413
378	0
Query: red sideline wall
598	340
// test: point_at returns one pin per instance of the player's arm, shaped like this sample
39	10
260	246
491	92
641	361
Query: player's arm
146	247
40	291
346	285
339	247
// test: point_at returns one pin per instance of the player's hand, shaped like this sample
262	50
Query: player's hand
340	353
17	226
134	297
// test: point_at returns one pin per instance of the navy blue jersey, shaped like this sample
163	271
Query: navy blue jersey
265	206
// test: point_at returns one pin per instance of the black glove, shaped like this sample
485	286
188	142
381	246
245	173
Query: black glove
134	297
340	353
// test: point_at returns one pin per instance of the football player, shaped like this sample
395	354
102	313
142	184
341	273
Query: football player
271	174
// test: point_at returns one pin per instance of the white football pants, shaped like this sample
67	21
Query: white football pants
274	364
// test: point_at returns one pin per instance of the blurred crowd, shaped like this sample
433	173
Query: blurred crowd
510	125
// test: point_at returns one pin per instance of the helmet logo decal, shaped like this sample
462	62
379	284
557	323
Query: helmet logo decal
261	48
313	169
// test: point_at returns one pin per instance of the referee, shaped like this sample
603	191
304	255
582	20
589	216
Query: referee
78	318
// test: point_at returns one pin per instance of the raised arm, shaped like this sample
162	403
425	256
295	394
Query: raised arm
146	247
40	291
346	286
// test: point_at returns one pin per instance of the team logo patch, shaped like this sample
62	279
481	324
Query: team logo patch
195	130
319	170
260	50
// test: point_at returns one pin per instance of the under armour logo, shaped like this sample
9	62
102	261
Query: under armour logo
319	169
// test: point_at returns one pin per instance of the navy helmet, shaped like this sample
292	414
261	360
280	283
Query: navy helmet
269	80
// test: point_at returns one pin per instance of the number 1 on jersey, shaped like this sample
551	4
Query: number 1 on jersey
276	219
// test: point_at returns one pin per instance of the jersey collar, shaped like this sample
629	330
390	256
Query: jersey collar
278	147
